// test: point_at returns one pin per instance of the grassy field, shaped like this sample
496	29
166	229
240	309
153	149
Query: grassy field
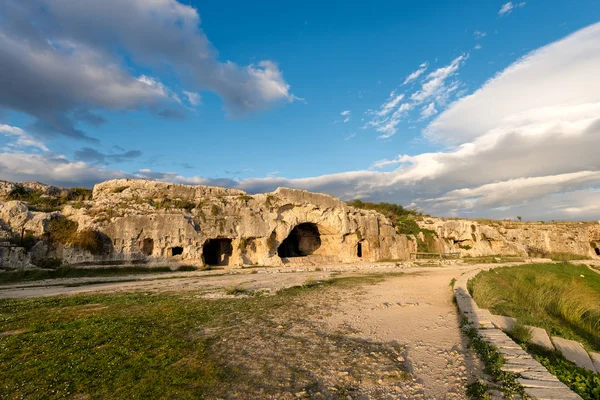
69	272
562	298
182	346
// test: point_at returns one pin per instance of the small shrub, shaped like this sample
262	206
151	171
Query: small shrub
215	210
120	189
243	244
466	247
90	240
62	230
520	332
244	198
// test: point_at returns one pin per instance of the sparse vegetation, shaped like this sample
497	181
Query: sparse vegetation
554	256
493	363
38	201
57	270
120	189
62	230
88	239
404	222
562	298
207	352
494	259
215	210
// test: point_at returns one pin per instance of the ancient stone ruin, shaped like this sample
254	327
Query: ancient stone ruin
126	221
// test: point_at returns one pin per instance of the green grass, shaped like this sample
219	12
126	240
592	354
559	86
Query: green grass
70	272
139	345
494	259
550	296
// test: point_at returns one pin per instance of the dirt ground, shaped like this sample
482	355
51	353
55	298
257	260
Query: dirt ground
407	326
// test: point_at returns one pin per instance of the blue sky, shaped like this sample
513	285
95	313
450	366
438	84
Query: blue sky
264	94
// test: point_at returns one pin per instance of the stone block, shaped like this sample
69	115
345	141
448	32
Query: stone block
504	323
540	337
574	352
551	394
596	360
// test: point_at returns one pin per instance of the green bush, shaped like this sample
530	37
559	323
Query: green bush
62	230
88	239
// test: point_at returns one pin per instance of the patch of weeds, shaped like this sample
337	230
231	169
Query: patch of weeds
520	332
244	198
452	283
493	362
239	291
478	390
215	210
120	189
62	230
466	247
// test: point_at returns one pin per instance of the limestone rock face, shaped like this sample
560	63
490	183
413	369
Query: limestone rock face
155	222
472	238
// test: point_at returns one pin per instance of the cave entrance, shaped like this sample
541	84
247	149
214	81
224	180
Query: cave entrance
148	246
597	250
217	251
302	241
359	249
177	250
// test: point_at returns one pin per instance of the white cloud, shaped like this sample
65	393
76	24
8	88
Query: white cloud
525	143
507	8
428	111
22	138
193	98
70	53
477	47
479	35
434	85
346	114
413	76
350	136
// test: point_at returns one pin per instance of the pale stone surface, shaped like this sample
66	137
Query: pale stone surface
472	238
157	222
540	337
574	352
504	323
596	360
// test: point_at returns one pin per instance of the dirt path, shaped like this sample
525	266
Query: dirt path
414	310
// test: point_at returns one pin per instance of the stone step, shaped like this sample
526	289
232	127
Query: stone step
574	352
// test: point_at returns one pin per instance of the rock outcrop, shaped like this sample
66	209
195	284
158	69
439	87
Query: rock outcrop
473	238
147	222
142	221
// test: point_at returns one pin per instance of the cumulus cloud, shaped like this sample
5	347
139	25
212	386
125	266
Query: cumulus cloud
19	139
525	144
68	52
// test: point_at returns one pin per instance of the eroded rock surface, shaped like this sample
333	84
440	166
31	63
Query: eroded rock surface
155	222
